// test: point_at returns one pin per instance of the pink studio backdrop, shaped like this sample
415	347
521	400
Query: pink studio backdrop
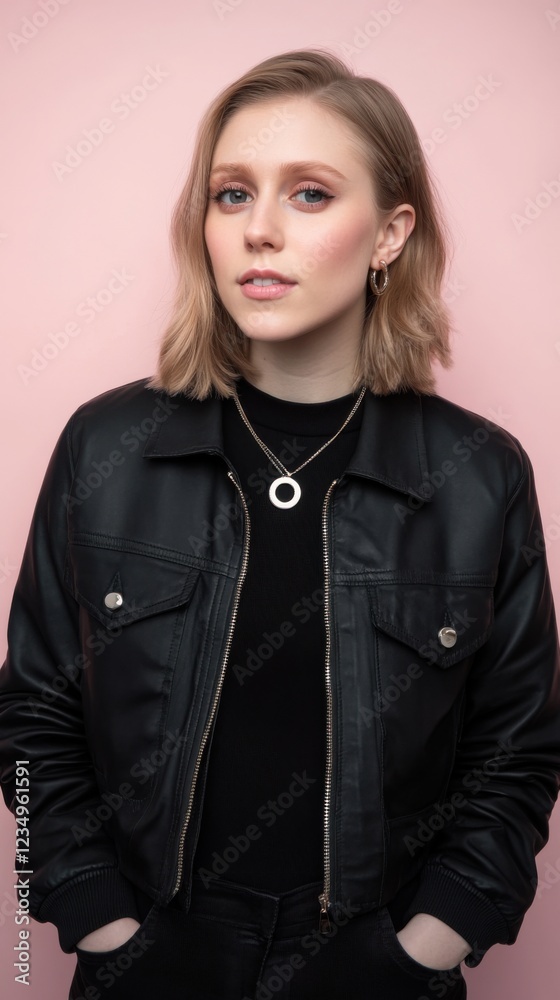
481	83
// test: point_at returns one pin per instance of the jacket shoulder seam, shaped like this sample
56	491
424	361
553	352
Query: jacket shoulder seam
521	480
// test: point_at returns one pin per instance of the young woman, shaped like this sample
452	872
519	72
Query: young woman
283	664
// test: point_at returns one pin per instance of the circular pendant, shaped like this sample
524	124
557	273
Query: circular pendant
284	503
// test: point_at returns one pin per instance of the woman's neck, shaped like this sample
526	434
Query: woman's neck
285	373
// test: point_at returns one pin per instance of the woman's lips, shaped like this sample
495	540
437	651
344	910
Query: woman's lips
274	291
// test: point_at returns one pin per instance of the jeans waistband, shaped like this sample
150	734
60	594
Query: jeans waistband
292	912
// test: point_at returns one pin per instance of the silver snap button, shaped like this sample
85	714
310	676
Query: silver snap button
113	600
447	637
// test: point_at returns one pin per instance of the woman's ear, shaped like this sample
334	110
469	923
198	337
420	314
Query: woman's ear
393	234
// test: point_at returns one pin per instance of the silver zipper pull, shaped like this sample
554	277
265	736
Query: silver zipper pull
324	922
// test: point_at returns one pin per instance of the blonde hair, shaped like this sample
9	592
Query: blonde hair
405	328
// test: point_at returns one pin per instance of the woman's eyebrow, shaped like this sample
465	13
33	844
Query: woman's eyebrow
285	168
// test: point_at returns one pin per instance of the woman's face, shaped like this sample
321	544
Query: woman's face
299	201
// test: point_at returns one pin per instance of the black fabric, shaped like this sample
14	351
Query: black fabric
266	768
236	943
457	554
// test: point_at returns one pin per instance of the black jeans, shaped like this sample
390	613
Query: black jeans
236	943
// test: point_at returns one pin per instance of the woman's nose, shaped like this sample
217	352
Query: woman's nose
264	225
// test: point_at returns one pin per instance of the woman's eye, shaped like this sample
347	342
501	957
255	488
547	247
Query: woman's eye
311	196
234	192
313	191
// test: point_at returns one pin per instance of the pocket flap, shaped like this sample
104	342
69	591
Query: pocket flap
415	613
119	585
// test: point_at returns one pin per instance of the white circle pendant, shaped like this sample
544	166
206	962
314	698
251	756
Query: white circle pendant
284	503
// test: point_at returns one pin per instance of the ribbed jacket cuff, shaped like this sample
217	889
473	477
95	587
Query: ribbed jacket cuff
89	902
446	895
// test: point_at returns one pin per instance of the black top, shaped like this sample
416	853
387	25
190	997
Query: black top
262	817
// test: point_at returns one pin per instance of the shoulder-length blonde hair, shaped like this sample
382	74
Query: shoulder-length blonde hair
406	327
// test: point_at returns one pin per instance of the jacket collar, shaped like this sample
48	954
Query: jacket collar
390	449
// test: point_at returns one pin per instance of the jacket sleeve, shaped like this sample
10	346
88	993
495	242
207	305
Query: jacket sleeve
480	875
76	883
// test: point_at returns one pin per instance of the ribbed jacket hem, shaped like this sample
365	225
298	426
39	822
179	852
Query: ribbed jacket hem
446	895
89	902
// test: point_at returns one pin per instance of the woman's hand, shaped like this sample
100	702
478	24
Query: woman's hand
110	935
431	942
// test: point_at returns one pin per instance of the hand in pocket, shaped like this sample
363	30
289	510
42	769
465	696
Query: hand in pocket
109	936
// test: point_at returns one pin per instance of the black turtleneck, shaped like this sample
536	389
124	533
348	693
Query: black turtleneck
262	816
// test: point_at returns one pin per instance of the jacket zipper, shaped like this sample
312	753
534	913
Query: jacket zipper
220	683
324	902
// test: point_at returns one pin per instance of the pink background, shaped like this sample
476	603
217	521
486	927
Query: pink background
60	240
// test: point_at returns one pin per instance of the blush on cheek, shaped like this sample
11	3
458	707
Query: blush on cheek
343	248
213	243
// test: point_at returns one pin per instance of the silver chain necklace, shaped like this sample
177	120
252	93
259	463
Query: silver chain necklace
287	476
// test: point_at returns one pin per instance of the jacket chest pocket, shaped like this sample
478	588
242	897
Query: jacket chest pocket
133	609
425	638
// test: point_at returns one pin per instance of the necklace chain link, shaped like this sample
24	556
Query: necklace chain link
275	461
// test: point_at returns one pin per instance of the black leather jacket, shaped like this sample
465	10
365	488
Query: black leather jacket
442	671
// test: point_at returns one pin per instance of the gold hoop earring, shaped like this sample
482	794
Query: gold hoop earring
373	279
